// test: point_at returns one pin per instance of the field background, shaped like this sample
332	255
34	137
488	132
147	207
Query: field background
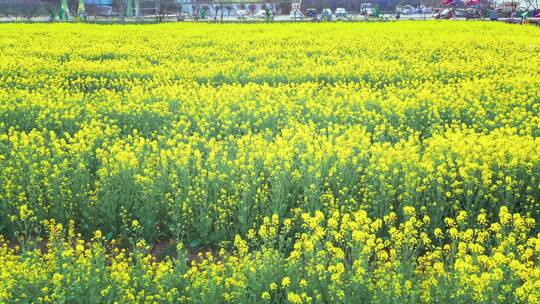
205	135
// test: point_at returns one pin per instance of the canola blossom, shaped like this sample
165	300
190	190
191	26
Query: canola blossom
270	163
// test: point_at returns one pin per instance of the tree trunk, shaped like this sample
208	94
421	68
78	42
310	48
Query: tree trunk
121	12
221	10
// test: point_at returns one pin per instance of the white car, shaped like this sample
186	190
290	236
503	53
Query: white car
425	9
296	15
241	14
408	10
260	14
341	13
367	9
326	14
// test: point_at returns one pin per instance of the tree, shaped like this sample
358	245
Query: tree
50	7
129	8
218	6
81	11
515	4
195	9
31	8
63	13
119	7
285	7
165	8
486	6
271	5
93	10
534	7
204	11
252	7
20	8
137	8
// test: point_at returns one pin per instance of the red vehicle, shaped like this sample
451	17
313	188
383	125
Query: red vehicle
447	13
472	3
473	9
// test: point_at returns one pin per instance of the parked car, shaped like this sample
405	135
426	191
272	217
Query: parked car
261	14
341	13
326	14
311	13
472	13
367	9
460	13
444	14
241	14
296	15
425	10
408	10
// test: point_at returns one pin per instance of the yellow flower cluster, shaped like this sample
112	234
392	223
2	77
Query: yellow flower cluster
339	258
308	163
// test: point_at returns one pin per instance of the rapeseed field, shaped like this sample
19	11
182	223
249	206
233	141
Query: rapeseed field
270	163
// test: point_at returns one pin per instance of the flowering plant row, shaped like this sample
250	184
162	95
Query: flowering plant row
305	258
